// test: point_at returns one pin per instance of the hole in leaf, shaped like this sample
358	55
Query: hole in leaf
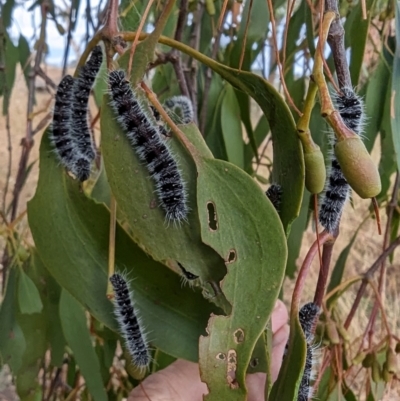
231	371
221	356
231	256
239	336
212	216
254	362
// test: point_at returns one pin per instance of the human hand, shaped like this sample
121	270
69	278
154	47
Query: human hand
180	381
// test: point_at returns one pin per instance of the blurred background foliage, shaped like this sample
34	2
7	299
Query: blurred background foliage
58	337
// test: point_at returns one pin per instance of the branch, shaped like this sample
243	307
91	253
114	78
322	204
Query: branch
336	43
27	142
368	276
301	278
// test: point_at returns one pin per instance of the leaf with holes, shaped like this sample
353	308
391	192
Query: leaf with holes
243	227
288	168
134	191
71	234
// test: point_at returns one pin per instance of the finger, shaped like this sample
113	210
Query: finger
256	382
180	381
279	316
279	341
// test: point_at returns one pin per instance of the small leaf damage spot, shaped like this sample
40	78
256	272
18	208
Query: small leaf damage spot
231	256
212	216
153	204
231	370
254	362
221	356
238	336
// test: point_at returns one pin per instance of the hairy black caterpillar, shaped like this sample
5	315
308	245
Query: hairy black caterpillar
181	105
274	194
129	323
65	147
151	149
308	317
305	389
351	109
83	84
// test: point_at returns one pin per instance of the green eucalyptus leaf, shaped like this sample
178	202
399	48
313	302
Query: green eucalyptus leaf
395	103
28	295
255	32
375	99
162	360
6	11
296	235
100	85
252	243
134	191
357	30
287	384
24	56
387	164
76	332
232	128
71	234
288	156
260	133
7	84
12	340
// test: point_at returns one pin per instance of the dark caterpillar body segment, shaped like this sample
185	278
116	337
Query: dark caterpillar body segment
181	104
64	146
351	109
308	316
149	146
336	195
80	131
305	389
62	116
129	323
274	194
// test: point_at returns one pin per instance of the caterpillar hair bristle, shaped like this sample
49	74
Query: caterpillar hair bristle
60	137
186	276
351	109
181	106
150	148
129	323
80	131
274	194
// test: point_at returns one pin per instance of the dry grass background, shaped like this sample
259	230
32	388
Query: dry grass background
364	252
